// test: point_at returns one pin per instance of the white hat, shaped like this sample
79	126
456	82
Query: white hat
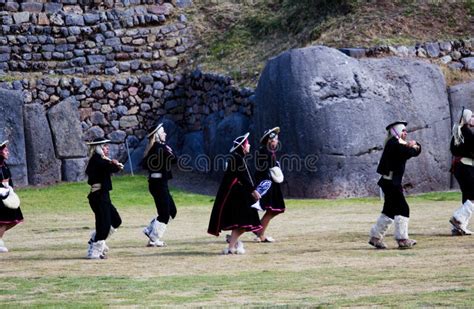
3	144
239	141
270	133
154	130
396	128
98	141
466	115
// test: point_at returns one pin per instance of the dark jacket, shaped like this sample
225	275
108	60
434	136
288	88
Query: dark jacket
233	200
5	173
98	170
8	215
394	158
159	160
465	149
264	160
273	199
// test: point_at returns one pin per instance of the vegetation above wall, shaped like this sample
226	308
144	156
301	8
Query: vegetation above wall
237	37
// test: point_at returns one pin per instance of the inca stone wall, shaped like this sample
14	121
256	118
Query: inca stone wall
456	54
123	109
106	69
70	38
74	70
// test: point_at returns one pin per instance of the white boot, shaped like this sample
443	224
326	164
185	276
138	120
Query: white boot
237	249
149	230
461	217
378	230
159	231
154	231
3	249
401	233
95	251
92	240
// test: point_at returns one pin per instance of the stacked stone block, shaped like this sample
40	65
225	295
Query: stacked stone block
79	37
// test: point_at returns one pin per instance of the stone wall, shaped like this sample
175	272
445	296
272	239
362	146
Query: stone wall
79	37
123	109
456	54
108	69
115	68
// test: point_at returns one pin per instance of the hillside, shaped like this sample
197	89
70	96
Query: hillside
237	37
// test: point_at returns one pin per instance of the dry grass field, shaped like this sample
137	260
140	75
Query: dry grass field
321	257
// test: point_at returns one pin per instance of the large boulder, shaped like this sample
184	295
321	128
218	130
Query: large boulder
74	169
192	155
66	128
11	128
136	156
174	138
218	135
228	129
333	109
209	129
174	134
460	95
43	167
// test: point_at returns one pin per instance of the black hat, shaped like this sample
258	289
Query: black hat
239	141
270	133
3	144
98	141
395	123
153	130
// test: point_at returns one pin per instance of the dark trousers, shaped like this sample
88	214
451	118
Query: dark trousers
395	203
464	174
163	201
106	215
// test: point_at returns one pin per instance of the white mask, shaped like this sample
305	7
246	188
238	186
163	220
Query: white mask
397	130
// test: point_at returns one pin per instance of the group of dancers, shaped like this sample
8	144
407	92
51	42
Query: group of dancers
397	150
235	207
242	194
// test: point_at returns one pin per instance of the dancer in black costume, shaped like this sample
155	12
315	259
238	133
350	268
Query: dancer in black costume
462	148
268	169
157	160
107	218
8	217
392	167
232	207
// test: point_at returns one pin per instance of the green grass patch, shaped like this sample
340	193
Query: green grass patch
132	191
320	258
128	191
316	286
470	6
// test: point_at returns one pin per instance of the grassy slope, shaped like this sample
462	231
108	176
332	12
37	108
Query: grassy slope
321	257
132	192
237	37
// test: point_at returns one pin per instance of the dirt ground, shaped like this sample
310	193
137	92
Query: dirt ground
328	241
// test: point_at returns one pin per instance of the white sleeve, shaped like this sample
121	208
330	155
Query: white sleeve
4	192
